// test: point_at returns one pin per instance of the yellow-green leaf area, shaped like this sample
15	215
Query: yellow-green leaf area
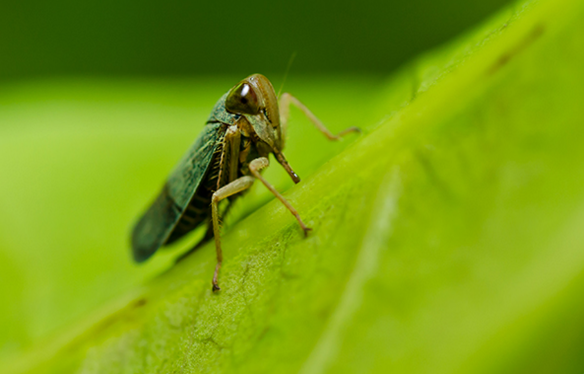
446	238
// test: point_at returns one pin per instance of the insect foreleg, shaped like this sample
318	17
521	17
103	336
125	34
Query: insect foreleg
261	163
288	99
224	192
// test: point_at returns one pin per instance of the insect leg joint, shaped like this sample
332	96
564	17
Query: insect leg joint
224	192
259	164
262	162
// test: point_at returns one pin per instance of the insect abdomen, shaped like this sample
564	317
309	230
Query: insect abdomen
196	212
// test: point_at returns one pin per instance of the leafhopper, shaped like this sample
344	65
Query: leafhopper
246	125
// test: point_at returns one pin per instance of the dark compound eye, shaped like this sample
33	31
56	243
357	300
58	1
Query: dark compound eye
242	99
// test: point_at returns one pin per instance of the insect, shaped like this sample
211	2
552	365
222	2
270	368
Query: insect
244	128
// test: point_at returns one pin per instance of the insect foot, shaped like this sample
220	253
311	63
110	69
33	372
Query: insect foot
349	130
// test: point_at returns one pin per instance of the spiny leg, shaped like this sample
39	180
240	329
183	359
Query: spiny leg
288	99
208	235
261	163
224	192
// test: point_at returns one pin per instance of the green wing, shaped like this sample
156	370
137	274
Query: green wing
160	220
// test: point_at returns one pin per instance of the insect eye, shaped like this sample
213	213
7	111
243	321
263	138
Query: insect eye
242	99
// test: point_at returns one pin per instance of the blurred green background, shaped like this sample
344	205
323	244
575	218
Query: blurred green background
178	38
99	99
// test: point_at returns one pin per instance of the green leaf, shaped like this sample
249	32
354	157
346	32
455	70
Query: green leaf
447	238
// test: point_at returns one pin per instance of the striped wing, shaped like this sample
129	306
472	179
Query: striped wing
160	220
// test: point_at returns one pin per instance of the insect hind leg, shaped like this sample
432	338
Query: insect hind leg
224	192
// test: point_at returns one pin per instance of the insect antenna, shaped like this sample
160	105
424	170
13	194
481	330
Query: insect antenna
286	73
